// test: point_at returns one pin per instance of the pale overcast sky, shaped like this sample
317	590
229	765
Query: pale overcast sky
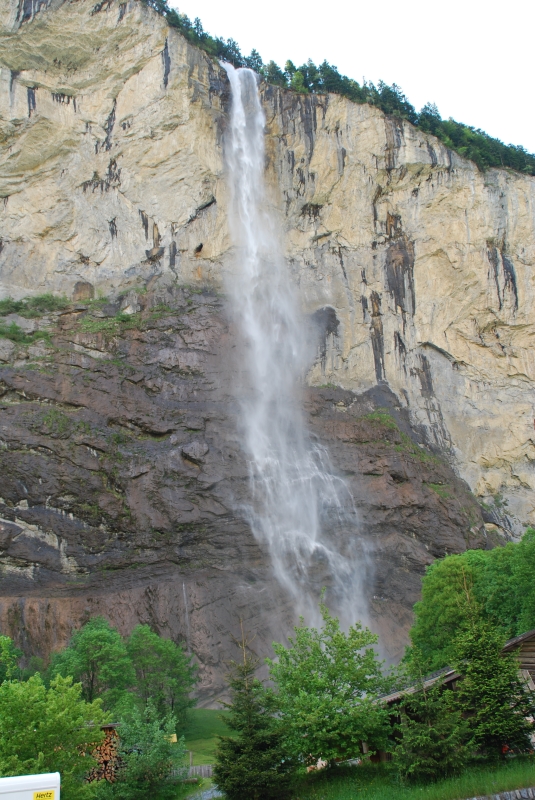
473	58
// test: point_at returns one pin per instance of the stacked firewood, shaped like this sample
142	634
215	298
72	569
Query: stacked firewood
106	754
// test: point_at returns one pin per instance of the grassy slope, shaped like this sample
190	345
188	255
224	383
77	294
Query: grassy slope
201	733
379	783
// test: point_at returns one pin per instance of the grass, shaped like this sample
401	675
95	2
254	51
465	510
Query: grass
379	782
203	728
110	325
383	416
16	334
33	307
440	489
405	443
56	421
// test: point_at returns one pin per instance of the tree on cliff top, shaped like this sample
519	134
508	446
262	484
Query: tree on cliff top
469	142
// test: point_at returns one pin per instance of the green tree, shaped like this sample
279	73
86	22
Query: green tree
273	74
501	582
9	659
297	84
326	683
254	61
98	658
495	698
164	672
469	142
255	757
150	760
49	730
433	734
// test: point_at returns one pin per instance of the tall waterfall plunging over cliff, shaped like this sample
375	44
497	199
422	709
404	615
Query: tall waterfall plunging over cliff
297	497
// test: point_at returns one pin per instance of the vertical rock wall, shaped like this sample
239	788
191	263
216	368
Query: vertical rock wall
416	270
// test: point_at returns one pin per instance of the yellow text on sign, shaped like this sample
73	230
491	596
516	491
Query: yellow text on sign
46	794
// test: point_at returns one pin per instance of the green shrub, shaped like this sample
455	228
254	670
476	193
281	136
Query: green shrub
326	682
502	583
97	657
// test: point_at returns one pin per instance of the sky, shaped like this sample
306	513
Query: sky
474	59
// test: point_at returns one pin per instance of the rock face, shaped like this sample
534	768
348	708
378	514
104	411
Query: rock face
416	268
122	469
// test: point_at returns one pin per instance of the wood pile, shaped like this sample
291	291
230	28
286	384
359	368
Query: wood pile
107	756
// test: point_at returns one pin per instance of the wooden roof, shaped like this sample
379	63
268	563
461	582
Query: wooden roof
448	675
518	640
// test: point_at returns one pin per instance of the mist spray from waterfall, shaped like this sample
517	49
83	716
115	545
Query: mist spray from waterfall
300	508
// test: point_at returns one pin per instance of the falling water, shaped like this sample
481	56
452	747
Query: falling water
188	643
299	508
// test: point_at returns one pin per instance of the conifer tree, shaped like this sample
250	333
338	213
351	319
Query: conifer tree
252	763
434	735
496	700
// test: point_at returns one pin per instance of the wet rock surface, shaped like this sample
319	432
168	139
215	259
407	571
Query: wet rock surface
122	472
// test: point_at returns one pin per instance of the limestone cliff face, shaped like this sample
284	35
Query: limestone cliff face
418	269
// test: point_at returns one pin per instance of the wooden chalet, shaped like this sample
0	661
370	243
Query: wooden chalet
524	648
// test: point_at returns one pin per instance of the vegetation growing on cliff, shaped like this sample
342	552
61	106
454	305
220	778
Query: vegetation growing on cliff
471	143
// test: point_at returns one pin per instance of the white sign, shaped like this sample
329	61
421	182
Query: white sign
31	787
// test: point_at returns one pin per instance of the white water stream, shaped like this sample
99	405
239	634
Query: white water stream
300	508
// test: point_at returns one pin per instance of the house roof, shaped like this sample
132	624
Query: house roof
448	675
524	637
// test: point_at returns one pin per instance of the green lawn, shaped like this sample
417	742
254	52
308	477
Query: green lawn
201	733
379	783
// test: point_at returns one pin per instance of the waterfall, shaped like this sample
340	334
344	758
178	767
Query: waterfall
300	508
188	633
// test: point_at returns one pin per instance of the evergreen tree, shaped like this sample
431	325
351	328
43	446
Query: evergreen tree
274	74
255	757
254	62
434	735
496	700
